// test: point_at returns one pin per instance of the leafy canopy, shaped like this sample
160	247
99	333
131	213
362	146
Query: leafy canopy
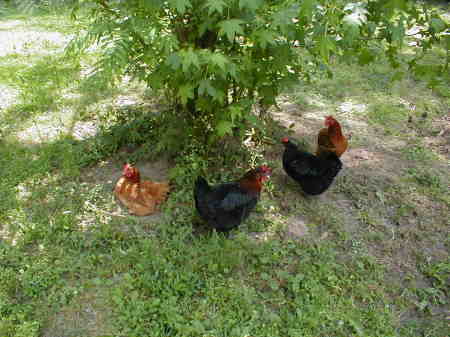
215	58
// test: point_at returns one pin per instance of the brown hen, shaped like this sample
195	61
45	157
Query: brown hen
140	197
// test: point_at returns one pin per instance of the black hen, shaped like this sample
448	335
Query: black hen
225	206
314	173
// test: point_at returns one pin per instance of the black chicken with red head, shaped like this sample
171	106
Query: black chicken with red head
227	205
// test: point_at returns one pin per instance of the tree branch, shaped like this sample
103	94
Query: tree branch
111	11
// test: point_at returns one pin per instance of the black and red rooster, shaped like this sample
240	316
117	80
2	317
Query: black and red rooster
227	205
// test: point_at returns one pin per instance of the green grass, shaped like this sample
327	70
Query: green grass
264	290
374	261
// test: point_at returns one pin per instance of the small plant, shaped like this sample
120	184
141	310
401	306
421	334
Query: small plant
425	178
439	273
418	153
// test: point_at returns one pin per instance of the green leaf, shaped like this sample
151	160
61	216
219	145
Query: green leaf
235	112
366	56
174	61
189	57
232	70
285	16
438	25
397	76
224	127
180	5
268	94
150	4
155	80
255	121
325	46
253	5
230	28
215	6
447	41
185	92
352	32
219	60
207	87
357	327
265	276
392	5
307	8
264	38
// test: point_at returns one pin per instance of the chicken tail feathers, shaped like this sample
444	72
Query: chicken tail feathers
201	186
201	189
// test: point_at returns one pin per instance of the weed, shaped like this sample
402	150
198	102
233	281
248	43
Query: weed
425	178
418	153
439	273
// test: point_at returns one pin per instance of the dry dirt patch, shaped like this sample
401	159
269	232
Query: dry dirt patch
441	142
87	315
297	227
109	171
29	42
47	128
8	96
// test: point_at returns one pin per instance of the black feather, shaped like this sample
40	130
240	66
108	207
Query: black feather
224	206
314	174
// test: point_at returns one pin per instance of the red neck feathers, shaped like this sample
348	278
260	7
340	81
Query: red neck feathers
253	180
251	184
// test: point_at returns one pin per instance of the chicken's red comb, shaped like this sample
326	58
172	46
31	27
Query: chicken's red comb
330	120
264	169
126	168
285	140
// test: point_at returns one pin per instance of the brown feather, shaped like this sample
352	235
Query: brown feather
140	197
331	139
253	180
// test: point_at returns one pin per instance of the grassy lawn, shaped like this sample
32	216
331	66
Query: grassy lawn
370	257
